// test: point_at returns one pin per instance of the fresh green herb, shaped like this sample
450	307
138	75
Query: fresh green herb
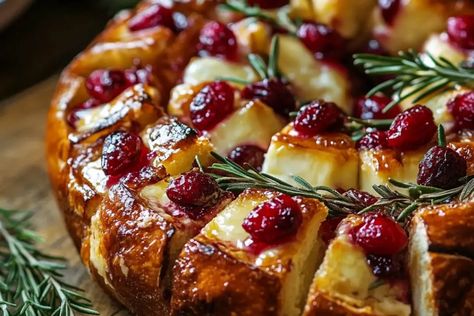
31	281
398	198
415	75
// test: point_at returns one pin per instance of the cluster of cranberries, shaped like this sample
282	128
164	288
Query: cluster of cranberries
123	153
274	221
409	130
383	240
104	85
157	15
460	31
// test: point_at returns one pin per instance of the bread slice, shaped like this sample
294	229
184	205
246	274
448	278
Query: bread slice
137	232
345	285
328	159
217	273
441	253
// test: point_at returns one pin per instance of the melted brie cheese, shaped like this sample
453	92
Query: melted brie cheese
203	69
376	167
312	79
317	161
346	276
253	124
438	45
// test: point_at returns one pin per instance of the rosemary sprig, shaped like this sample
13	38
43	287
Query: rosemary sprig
398	198
415	75
31	281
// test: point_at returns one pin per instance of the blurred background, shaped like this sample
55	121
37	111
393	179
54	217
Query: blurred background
39	37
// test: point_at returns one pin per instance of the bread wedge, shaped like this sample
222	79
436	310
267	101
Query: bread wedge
218	273
345	285
441	252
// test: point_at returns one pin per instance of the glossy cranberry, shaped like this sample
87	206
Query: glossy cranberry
274	93
216	39
461	31
321	40
72	117
211	105
193	189
385	266
327	231
376	140
154	15
121	150
105	85
411	128
372	108
317	117
268	4
462	109
389	9
379	234
441	167
361	197
274	221
250	155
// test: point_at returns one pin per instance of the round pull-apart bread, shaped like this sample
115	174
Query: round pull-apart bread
137	114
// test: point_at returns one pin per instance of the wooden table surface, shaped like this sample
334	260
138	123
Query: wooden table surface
24	183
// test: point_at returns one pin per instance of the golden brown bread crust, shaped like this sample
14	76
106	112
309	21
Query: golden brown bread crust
80	190
450	228
326	304
453	284
202	284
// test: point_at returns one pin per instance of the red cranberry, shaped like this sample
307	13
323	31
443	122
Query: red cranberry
385	266
105	85
317	117
120	152
274	221
461	31
211	105
389	9
321	40
376	140
327	231
193	189
379	235
412	128
274	93
268	4
441	167
248	155
154	15
361	197
372	108
72	117
462	109
216	39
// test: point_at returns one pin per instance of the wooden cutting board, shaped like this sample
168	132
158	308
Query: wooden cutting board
24	183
